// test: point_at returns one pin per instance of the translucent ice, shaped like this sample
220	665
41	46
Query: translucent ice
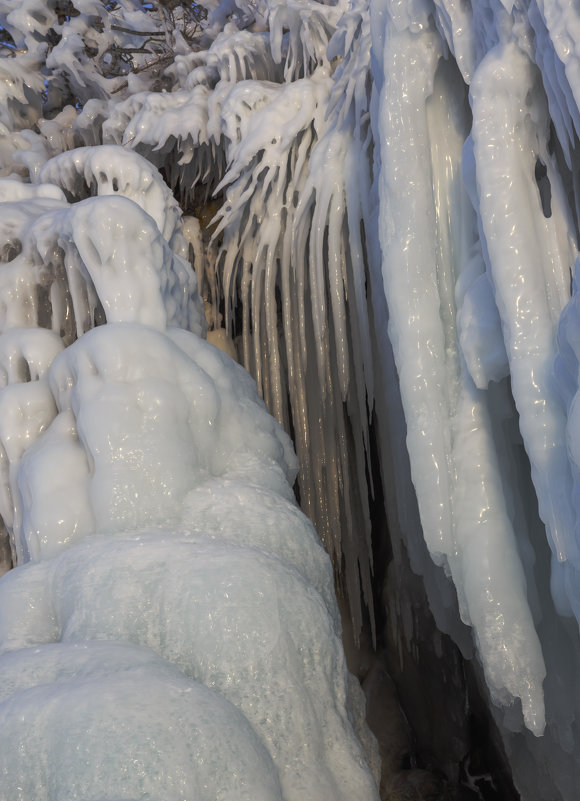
463	511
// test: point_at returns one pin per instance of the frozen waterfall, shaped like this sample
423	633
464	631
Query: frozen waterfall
171	631
478	231
375	207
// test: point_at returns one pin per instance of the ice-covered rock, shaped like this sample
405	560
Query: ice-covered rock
170	629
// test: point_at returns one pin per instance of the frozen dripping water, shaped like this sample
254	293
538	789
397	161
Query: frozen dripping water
170	524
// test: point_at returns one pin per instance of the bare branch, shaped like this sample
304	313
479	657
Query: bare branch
136	33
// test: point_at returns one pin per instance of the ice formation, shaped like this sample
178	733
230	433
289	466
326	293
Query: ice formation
478	238
383	212
172	617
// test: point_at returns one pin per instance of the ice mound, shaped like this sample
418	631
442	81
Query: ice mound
115	721
150	428
170	630
139	424
235	619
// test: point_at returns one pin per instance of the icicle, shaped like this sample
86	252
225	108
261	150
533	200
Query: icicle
408	227
556	54
26	409
64	271
21	86
530	271
311	258
26	354
449	438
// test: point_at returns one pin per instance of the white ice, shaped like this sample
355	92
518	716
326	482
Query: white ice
425	154
171	629
455	470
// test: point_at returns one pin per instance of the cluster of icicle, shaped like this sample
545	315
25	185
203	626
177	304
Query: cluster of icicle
476	123
266	119
270	114
171	629
319	166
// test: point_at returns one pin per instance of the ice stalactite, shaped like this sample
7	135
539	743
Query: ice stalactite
167	585
294	246
478	239
449	433
263	120
529	303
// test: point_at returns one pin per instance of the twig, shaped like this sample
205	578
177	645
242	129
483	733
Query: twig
136	33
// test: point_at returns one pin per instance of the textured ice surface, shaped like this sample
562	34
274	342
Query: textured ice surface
240	601
230	585
478	218
235	619
115	721
171	629
140	425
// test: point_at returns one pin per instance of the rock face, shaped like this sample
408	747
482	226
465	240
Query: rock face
5	553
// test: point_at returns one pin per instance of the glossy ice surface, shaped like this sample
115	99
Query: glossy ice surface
148	495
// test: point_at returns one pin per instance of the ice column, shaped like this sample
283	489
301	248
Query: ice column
530	252
429	244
